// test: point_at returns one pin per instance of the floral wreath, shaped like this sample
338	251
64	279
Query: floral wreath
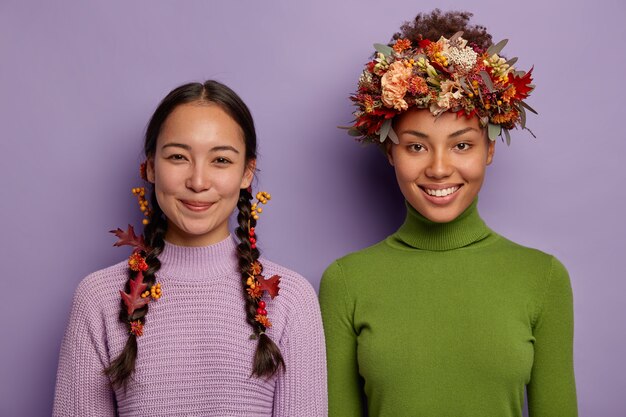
446	75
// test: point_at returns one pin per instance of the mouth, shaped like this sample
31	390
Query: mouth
440	194
197	206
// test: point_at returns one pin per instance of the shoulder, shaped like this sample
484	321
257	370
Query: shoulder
357	263
518	253
100	289
293	286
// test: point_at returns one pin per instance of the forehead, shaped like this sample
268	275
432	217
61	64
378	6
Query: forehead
422	120
199	125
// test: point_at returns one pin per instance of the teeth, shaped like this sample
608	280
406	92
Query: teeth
441	193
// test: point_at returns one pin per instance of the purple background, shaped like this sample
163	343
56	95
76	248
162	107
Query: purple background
79	80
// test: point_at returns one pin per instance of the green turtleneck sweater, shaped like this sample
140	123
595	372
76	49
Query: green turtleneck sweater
448	320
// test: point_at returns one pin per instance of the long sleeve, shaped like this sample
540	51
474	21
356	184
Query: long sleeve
301	389
82	389
345	394
552	390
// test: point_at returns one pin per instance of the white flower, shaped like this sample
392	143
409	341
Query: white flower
463	58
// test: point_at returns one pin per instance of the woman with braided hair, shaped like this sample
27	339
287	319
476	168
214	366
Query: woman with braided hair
445	318
204	326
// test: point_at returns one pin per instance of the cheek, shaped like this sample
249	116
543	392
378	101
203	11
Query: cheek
166	181
473	170
407	170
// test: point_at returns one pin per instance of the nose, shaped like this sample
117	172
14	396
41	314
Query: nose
439	165
198	179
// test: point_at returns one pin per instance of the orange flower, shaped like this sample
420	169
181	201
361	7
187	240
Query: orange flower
417	86
401	45
510	116
256	268
394	85
432	49
509	94
265	322
255	292
137	263
136	328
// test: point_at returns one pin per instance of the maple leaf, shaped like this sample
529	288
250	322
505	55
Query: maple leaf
521	84
133	300
129	238
270	285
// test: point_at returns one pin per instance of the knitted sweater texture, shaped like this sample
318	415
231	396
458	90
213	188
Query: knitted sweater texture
195	356
448	320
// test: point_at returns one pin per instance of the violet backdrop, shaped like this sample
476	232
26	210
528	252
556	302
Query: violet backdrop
80	79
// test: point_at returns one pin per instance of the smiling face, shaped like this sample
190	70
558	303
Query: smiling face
197	170
440	162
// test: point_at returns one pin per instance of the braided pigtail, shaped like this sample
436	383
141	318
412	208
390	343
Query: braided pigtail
267	359
143	266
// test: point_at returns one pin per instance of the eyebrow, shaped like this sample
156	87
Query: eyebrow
452	135
188	148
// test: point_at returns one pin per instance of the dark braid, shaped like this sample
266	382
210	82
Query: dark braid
267	359
121	369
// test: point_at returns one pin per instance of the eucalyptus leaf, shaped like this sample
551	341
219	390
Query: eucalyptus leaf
530	109
463	85
495	49
456	36
480	96
494	131
522	115
511	61
354	132
393	136
384	130
487	80
507	135
383	49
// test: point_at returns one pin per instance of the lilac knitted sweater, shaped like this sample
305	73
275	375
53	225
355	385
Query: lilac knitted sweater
195	356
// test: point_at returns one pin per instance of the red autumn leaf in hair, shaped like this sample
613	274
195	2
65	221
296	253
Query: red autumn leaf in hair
129	238
270	285
521	84
133	299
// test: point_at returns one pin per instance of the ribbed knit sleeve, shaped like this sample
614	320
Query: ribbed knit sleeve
301	389
81	388
344	382
552	390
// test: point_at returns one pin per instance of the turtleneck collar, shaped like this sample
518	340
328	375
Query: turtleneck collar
421	233
199	262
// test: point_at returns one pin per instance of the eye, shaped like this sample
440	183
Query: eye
416	147
222	161
463	146
177	157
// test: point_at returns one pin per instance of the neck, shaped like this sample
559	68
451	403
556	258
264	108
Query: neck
421	233
199	262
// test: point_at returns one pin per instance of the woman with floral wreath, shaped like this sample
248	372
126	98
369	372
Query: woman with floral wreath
227	333
445	318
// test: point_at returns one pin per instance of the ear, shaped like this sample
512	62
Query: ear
248	174
150	169
388	145
490	151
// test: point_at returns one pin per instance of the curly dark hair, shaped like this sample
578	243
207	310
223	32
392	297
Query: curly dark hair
436	24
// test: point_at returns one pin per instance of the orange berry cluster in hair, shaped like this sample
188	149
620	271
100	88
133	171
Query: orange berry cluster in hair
262	197
140	192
